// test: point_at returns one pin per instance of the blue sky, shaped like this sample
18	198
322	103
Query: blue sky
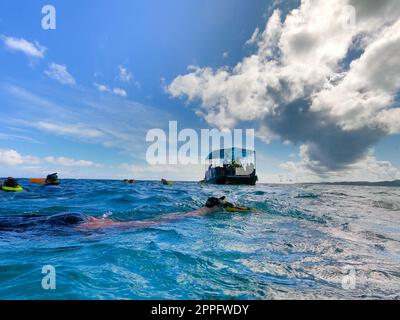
82	101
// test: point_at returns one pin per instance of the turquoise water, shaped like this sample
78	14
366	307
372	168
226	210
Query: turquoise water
300	243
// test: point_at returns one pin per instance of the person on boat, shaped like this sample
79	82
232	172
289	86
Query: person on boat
85	222
235	164
52	180
11	185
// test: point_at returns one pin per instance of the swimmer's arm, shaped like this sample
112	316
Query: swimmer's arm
166	218
199	212
95	223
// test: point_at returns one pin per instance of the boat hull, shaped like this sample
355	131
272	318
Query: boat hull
233	180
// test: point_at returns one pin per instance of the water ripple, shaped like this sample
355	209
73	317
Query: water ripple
297	243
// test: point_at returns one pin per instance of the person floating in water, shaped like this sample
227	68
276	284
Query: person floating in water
52	180
11	185
166	182
84	222
129	181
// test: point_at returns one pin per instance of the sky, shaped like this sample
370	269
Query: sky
317	80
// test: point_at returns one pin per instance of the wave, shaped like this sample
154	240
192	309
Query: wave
307	196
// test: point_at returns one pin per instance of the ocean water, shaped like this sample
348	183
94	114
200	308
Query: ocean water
302	242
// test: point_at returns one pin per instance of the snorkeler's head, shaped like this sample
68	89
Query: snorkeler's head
65	219
10	182
213	202
52	177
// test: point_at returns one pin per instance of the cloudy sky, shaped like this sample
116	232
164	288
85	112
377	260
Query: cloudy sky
318	80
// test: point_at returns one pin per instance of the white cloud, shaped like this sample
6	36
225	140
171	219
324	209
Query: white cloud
18	137
254	37
124	75
68	162
109	121
102	87
32	101
301	85
119	92
60	73
116	91
12	158
367	169
78	130
31	49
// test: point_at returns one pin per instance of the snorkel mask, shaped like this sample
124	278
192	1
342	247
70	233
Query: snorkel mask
213	202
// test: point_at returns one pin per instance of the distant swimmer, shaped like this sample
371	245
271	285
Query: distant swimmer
166	182
129	181
212	205
83	222
52	180
11	185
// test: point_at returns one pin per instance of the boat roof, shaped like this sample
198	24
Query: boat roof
230	153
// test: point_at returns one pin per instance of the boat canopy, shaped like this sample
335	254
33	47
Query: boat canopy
230	154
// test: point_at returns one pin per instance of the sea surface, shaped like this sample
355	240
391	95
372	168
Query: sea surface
300	242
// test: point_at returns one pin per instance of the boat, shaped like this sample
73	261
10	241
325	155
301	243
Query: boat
231	166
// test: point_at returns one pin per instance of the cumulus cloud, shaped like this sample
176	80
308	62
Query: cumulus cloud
31	49
320	78
119	92
254	37
60	73
367	169
12	158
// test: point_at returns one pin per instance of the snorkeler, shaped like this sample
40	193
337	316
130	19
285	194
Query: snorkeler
11	185
52	180
83	222
166	182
